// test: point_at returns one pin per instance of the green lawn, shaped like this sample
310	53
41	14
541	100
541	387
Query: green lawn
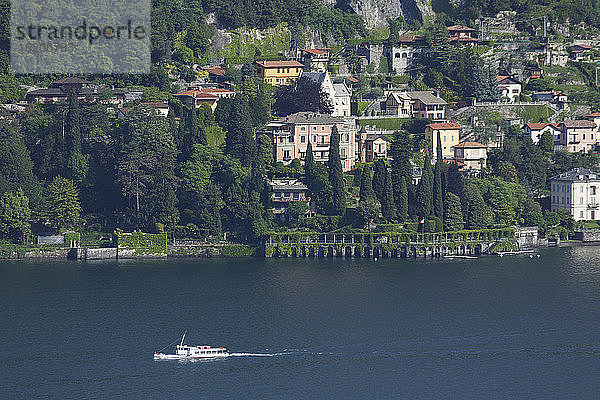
390	124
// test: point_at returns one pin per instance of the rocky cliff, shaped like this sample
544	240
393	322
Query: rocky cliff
376	12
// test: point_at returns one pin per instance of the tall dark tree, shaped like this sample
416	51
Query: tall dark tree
239	140
368	207
425	190
146	168
357	177
477	211
546	142
16	168
305	95
336	175
400	152
388	208
366	185
438	187
379	171
73	125
453	218
402	201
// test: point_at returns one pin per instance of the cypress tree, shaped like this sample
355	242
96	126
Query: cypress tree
366	185
336	175
425	190
453	218
73	125
379	171
403	201
357	177
477	216
400	151
239	140
388	208
309	163
438	195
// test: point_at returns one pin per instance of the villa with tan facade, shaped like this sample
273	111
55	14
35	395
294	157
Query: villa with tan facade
278	73
449	134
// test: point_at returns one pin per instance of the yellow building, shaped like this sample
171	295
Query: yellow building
449	134
278	72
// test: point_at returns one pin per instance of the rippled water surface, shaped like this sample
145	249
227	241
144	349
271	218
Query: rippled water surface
494	328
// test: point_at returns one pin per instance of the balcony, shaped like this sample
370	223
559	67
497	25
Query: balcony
593	205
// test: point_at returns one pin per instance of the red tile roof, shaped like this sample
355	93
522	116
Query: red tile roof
444	125
279	64
471	145
316	51
204	93
219	71
460	28
594	114
536	126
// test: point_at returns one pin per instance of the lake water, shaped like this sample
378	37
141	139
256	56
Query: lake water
494	328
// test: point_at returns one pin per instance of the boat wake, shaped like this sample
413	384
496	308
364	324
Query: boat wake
256	354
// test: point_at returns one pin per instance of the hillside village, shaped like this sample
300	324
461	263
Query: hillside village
427	127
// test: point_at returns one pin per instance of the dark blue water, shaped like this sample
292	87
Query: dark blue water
494	328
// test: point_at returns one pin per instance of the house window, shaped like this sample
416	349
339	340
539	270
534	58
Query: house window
302	128
315	138
302	139
580	214
286	155
592	190
296	196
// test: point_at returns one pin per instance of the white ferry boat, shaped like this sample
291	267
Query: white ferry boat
184	352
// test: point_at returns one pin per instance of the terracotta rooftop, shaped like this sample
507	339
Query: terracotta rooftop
471	145
594	115
536	126
279	64
219	71
444	125
316	51
460	28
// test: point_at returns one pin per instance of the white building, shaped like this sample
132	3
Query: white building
510	88
338	93
537	129
578	192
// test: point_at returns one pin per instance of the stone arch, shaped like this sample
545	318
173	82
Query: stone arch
348	251
404	55
397	55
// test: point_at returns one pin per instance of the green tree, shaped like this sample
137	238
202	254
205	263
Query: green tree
478	213
296	210
73	125
14	217
438	187
425	190
357	177
400	151
546	142
336	176
146	167
239	140
388	208
453	218
402	201
305	95
368	209
16	168
63	203
379	171
366	185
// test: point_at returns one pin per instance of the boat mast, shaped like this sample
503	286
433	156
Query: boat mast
182	338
